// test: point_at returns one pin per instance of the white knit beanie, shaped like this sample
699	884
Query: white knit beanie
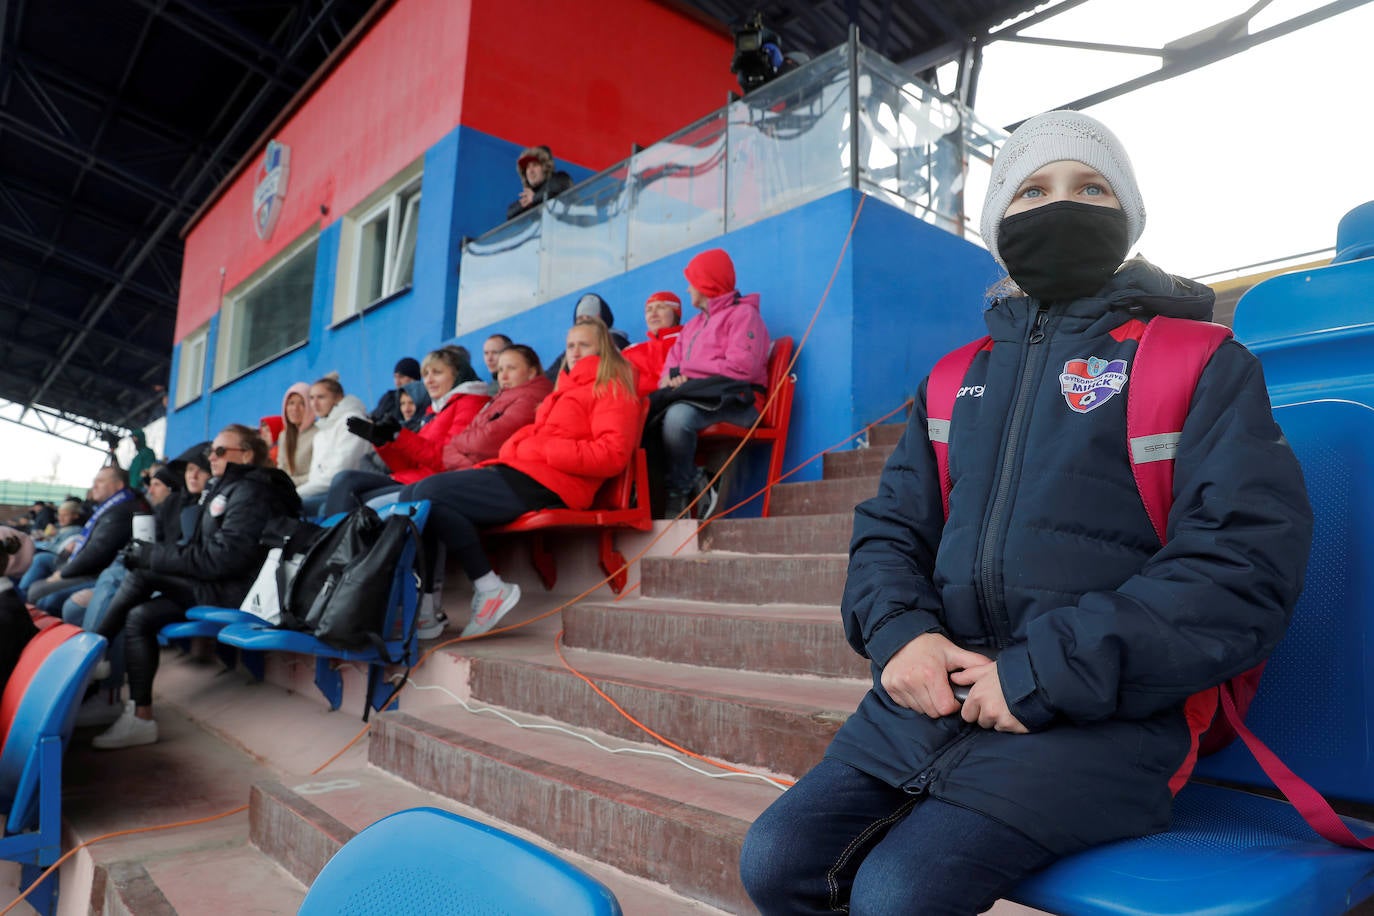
1050	137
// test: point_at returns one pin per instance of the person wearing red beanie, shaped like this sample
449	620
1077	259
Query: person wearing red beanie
663	318
714	373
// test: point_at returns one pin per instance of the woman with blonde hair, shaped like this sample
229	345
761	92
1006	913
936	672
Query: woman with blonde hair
583	433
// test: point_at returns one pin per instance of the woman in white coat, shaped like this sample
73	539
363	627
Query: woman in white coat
335	448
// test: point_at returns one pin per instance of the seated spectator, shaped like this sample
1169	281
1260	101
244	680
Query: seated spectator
335	449
414	402
456	395
102	537
175	493
389	404
216	566
41	516
298	434
663	318
541	181
270	429
523	389
583	433
144	458
591	305
67	527
16	625
491	348
714	373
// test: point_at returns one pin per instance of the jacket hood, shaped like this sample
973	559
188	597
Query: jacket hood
711	273
302	389
196	454
1139	285
733	299
139	438
275	423
418	394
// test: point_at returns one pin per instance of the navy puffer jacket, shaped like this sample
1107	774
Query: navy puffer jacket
1049	563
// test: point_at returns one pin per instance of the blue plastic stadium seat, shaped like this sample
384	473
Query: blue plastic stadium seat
402	606
424	861
31	765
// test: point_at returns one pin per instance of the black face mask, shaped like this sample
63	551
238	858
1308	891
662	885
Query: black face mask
1064	250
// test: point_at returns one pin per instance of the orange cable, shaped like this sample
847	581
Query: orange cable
558	648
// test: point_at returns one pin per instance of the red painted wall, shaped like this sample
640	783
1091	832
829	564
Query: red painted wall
586	80
396	95
590	79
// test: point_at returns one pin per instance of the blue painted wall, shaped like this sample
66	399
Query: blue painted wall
903	293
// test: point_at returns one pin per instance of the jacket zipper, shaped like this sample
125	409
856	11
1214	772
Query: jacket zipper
998	622
923	779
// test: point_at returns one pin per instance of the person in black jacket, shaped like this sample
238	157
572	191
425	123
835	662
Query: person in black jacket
216	566
103	536
540	179
1047	592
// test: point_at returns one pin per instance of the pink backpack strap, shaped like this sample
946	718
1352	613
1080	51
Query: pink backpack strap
942	390
1168	363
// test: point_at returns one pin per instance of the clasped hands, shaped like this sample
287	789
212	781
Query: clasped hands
918	677
382	432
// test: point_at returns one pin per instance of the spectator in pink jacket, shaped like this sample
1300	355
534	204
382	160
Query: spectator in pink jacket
522	388
714	373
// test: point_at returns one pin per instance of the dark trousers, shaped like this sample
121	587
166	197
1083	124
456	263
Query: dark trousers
351	489
843	841
144	604
462	503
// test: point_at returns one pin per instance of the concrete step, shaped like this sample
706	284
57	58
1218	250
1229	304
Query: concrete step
306	822
779	723
238	879
776	638
886	434
643	815
746	578
822	497
859	462
785	534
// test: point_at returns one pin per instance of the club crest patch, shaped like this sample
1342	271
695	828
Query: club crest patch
218	505
1090	382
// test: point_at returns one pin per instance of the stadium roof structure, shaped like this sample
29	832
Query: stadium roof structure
120	119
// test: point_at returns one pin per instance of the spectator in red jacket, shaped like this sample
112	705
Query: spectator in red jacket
456	395
583	434
523	389
663	318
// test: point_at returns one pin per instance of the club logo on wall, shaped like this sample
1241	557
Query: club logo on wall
270	191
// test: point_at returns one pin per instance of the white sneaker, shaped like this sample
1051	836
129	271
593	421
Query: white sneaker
101	670
490	606
128	731
98	710
431	619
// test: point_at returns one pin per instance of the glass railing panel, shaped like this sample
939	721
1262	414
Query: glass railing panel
500	273
678	192
789	141
584	232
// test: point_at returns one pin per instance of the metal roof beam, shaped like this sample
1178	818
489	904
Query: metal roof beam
247	60
48	316
60	78
98	271
9	185
42	417
82	156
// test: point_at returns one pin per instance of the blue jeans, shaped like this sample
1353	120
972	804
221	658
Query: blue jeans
681	423
89	617
842	839
42	566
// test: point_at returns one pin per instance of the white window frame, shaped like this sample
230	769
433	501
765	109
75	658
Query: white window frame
191	366
224	373
399	201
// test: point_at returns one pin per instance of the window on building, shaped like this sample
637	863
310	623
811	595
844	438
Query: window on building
268	314
377	246
191	369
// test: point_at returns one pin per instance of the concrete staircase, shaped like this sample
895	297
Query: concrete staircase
735	652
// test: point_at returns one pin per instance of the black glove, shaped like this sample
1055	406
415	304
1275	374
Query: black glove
137	555
379	433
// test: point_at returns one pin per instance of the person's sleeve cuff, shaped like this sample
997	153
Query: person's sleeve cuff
1022	693
898	630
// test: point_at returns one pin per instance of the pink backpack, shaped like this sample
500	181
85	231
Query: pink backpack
1169	360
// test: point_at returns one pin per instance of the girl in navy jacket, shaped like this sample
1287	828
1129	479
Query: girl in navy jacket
1047	592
